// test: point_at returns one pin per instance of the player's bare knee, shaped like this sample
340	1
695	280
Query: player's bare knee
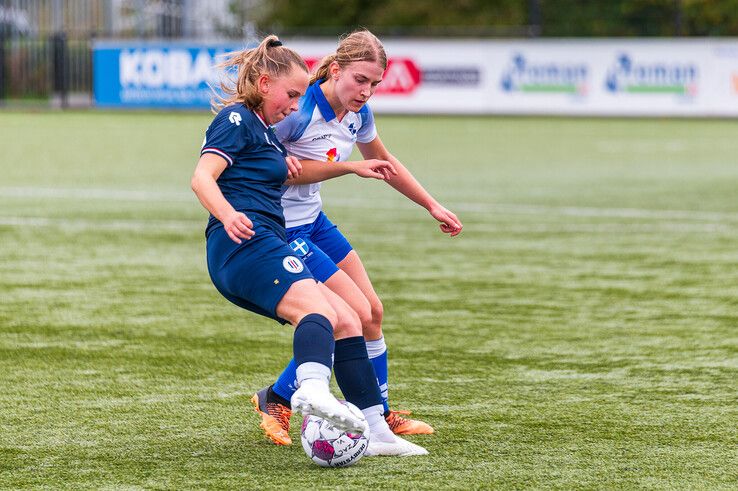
364	312
377	312
295	316
329	313
348	324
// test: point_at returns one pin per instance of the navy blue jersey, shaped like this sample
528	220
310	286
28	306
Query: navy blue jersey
252	182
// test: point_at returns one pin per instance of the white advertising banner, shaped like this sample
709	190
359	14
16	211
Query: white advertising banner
665	77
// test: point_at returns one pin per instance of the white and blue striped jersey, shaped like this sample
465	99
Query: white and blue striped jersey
314	133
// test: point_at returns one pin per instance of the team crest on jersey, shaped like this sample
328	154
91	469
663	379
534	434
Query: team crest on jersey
300	247
352	129
332	155
292	264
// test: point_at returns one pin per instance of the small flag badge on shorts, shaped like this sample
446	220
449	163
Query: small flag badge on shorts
300	246
292	264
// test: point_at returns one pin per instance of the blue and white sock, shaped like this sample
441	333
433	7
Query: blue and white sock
286	384
377	351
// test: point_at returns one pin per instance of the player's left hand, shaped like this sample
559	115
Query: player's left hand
376	168
450	224
294	167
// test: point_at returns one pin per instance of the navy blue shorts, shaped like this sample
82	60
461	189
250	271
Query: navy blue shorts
320	245
257	273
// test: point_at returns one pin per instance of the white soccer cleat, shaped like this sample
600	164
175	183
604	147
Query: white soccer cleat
397	448
314	397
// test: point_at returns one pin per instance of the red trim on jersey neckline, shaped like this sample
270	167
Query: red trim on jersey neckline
262	121
219	152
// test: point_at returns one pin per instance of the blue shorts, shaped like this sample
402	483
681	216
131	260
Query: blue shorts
257	273
320	245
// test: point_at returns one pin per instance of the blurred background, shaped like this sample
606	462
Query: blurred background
622	57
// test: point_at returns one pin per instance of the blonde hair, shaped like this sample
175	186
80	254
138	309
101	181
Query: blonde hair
360	45
270	58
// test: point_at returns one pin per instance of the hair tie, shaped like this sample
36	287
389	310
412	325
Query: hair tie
274	43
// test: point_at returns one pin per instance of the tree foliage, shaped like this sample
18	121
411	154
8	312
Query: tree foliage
391	16
563	18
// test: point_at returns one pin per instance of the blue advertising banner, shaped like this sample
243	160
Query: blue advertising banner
163	75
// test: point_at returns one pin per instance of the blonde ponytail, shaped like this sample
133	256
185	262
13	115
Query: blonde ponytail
322	71
270	58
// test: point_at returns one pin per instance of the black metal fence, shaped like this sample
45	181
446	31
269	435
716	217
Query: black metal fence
45	66
46	45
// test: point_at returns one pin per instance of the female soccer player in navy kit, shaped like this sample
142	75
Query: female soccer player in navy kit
239	179
333	117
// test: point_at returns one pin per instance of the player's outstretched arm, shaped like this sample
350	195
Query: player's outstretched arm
404	182
318	171
210	166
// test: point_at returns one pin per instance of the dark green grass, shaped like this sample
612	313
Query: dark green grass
580	333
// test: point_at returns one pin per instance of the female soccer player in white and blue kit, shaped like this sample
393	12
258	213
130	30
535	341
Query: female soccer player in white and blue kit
239	179
333	116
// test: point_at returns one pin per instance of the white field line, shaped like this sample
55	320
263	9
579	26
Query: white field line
96	194
80	224
460	206
578	211
105	224
610	227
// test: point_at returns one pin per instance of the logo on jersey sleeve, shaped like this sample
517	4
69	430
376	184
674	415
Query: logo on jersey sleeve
332	155
300	247
292	264
235	118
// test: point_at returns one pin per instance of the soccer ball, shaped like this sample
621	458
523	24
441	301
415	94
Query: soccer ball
330	447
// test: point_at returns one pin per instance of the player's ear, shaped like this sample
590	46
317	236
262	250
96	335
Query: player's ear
263	83
334	70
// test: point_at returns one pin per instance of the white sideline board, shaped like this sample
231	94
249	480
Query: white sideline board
598	77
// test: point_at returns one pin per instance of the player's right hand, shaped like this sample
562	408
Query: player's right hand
238	226
376	168
450	223
294	167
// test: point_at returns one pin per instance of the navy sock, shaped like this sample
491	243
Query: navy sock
313	341
355	374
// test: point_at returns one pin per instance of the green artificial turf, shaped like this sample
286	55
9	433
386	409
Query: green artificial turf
581	333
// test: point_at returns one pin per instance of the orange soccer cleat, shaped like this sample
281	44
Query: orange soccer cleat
275	418
406	426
